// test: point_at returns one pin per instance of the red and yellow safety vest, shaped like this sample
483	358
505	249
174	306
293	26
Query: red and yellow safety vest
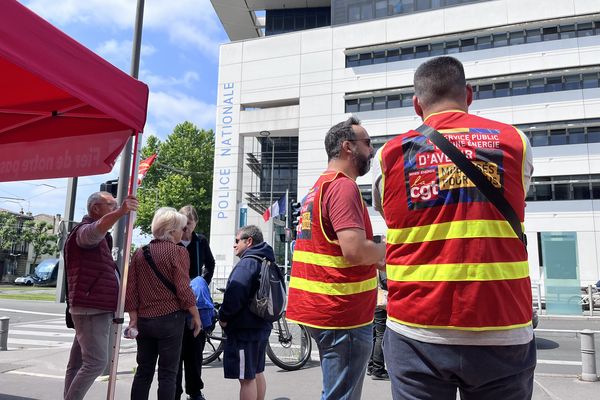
325	290
453	261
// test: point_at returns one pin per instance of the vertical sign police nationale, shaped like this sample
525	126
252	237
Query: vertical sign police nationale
225	200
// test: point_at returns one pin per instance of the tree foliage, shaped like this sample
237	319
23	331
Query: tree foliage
9	231
39	234
181	175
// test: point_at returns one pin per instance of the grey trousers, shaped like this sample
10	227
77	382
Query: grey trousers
89	353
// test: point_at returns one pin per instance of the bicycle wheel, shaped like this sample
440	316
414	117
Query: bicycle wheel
214	345
289	351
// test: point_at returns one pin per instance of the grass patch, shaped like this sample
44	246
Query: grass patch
28	296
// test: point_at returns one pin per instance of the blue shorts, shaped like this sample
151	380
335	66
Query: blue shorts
243	359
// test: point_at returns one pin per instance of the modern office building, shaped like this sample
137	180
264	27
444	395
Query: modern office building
295	68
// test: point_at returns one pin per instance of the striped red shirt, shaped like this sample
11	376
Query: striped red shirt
146	293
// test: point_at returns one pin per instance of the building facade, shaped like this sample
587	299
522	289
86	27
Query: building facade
300	67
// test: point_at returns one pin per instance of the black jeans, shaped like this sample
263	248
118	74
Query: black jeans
377	362
191	355
159	338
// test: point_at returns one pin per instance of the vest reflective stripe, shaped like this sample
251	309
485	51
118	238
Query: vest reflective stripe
334	289
458	272
322	260
462	328
451	230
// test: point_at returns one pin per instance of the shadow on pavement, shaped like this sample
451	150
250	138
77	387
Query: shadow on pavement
9	397
545	344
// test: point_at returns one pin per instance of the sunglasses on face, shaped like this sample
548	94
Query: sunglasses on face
238	240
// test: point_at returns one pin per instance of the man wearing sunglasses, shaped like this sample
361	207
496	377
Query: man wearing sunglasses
333	289
247	333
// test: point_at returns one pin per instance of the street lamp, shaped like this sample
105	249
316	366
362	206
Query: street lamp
267	134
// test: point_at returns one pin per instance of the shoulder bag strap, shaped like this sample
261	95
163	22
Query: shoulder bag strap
477	177
159	275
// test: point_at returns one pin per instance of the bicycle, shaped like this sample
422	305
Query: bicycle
289	344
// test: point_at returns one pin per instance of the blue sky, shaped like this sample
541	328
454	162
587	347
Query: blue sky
179	62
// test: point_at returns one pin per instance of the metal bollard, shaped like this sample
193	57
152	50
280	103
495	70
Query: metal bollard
588	356
590	293
4	333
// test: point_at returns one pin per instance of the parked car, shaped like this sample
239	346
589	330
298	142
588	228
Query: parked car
46	273
26	280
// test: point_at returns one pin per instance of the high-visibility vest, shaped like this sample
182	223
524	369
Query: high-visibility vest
325	290
453	261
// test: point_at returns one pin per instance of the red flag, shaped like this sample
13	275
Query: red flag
144	167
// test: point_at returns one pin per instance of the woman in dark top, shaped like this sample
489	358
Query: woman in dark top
158	302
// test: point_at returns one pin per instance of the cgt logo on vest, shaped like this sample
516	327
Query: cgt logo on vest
423	186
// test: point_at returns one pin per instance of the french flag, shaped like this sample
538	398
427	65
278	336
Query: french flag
277	208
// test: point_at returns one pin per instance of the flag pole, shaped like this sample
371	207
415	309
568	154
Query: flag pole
287	226
125	248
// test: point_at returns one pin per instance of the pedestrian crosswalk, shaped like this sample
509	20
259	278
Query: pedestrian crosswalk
51	333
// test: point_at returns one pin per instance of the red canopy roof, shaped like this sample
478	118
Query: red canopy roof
64	111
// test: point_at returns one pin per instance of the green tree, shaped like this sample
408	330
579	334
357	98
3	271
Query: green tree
39	235
181	175
9	231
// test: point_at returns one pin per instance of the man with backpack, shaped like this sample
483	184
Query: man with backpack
247	333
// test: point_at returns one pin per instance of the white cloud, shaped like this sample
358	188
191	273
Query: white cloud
170	109
119	52
159	81
187	22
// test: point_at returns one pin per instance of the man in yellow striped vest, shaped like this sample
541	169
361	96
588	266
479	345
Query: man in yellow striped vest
333	287
459	300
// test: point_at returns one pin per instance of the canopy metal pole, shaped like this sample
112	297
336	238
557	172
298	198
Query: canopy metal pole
128	173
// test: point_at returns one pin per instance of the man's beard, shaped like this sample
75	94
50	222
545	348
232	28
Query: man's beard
362	163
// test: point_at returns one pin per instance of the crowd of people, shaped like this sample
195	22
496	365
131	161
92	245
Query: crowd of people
442	305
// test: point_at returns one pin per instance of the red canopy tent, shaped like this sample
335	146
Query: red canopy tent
64	111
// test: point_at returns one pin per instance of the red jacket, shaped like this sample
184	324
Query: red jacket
91	273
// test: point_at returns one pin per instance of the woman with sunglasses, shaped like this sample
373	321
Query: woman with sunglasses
158	300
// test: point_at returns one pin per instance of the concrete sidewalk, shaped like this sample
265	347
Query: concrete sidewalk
38	374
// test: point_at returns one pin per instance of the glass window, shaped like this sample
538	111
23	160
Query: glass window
519	88
562	191
533	35
278	23
558	137
393	101
379	103
422	5
366	11
485	91
352	60
354	12
554	84
407	6
517	37
407	53
581	191
590	80
407	100
593	134
310	21
550	33
365	104
299	22
572	82
422	51
437	49
351	106
539	138
394	7
452	47
500	40
536	85
484	42
595	186
585	29
393	55
502	89
530	193
365	59
543	192
378	57
576	135
288	23
467	44
567	31
381	9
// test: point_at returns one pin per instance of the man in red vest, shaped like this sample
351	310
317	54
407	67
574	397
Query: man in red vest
333	287
459	300
93	283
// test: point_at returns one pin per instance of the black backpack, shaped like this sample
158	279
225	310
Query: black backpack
269	300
